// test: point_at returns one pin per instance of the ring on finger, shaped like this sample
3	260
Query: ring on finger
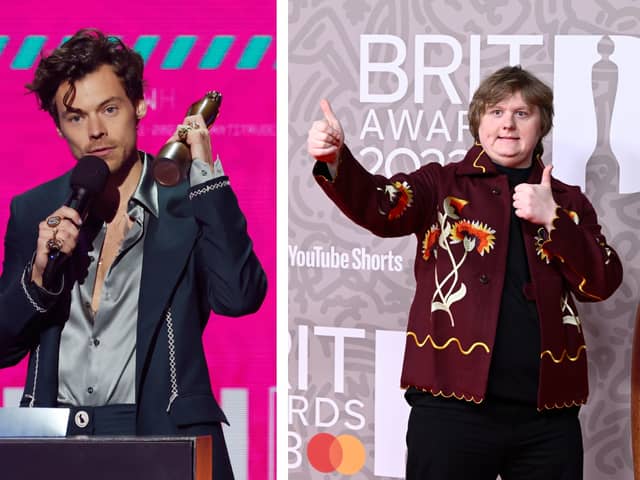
53	221
183	132
54	244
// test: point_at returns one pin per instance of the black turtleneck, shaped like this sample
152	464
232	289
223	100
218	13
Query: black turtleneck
515	361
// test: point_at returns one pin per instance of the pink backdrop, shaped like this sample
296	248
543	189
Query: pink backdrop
241	352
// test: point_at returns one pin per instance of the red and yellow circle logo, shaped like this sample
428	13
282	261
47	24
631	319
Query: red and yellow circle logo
344	453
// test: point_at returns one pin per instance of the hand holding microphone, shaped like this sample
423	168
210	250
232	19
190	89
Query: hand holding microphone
58	233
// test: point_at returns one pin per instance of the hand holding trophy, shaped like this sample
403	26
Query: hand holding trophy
173	161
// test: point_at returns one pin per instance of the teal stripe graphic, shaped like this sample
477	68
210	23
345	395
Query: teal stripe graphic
254	52
3	42
67	37
28	52
216	52
178	52
145	45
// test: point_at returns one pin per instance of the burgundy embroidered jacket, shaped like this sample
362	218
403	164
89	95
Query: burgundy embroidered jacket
460	215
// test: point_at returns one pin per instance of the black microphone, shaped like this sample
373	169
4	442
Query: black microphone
88	179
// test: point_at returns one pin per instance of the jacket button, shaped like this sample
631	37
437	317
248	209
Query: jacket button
484	279
90	390
495	190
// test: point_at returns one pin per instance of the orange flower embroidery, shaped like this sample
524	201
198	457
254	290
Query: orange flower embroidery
453	206
473	232
540	240
430	239
543	253
473	235
573	216
405	198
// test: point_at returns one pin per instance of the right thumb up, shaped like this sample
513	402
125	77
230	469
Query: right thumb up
326	136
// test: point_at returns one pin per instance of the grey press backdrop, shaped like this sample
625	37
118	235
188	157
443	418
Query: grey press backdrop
399	75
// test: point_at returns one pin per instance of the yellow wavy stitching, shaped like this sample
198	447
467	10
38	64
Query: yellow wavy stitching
584	280
461	396
564	354
447	343
572	403
478	158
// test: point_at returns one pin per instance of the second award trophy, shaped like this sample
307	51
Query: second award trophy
173	161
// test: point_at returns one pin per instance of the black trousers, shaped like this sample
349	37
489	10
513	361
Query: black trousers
455	440
102	421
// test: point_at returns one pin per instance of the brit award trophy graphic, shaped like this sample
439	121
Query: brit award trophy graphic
602	169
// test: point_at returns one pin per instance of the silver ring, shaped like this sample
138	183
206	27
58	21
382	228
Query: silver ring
53	221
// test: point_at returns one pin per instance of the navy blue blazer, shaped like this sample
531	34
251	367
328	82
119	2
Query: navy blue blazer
198	258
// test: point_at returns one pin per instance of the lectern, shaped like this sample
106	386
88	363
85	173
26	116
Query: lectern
98	458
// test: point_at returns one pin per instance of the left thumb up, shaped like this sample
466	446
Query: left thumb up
545	181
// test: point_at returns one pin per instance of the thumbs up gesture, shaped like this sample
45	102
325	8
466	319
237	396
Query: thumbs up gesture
535	203
326	136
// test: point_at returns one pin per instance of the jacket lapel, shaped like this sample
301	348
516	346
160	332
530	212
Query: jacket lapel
476	162
168	243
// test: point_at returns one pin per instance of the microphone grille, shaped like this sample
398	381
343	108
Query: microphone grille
90	173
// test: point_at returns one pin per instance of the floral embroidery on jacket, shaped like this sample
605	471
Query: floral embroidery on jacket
568	315
473	234
573	216
540	239
429	242
400	196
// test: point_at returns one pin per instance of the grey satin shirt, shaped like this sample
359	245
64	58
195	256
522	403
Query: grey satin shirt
97	359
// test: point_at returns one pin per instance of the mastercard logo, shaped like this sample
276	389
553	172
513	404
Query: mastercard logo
343	454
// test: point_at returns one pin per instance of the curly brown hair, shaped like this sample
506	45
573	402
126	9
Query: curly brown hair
505	82
81	55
